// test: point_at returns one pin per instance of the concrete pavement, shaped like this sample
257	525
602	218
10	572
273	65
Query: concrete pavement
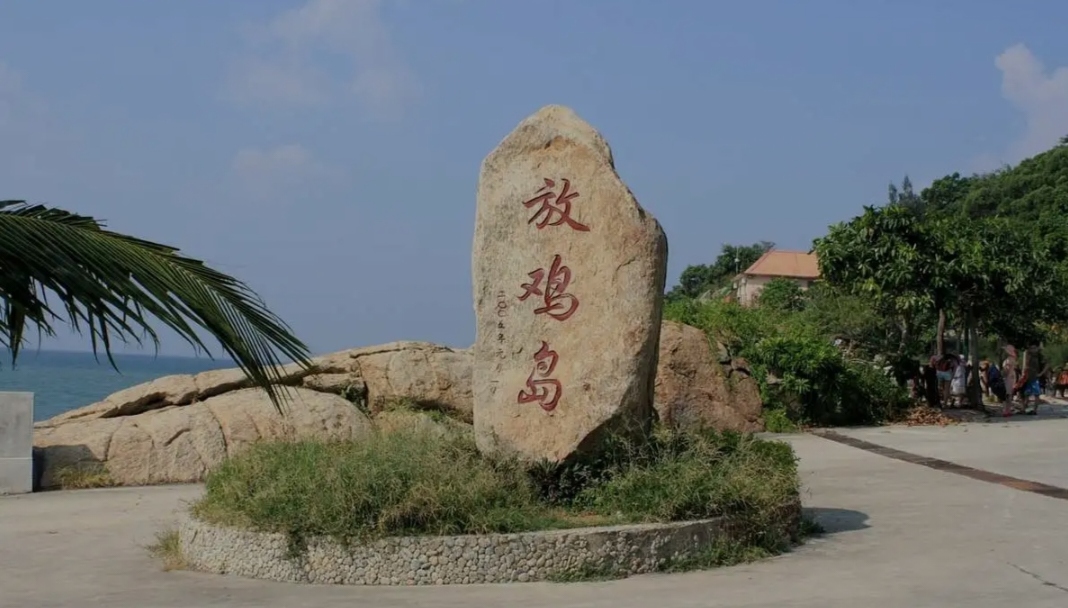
900	535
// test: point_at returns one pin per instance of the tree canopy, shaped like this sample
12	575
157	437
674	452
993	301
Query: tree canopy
57	266
988	249
732	259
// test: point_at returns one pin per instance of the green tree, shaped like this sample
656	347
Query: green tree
1034	191
1006	284
57	266
732	259
895	259
946	195
853	319
782	294
906	197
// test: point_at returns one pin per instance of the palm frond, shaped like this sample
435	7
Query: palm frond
111	285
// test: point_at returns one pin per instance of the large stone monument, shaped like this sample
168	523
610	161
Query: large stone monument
568	274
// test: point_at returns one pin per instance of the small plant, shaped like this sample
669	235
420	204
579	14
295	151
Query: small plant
168	550
83	476
777	420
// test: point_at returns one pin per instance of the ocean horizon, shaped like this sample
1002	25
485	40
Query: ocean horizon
65	380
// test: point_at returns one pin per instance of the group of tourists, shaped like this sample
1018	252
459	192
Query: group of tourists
1018	386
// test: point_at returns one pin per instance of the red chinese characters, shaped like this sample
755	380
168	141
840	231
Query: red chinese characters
542	388
554	209
552	288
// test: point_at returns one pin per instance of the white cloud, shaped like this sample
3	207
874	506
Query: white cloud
286	58
1041	95
264	171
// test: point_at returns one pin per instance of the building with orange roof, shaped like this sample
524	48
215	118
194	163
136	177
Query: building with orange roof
799	266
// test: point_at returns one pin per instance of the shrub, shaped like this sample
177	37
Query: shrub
802	375
697	475
409	481
782	294
412	482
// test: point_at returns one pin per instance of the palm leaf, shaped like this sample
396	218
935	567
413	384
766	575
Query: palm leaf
111	285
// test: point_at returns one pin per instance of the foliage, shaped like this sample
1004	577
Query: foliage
168	550
893	258
694	475
699	279
412	481
110	286
1035	192
1005	281
854	321
782	294
906	197
802	375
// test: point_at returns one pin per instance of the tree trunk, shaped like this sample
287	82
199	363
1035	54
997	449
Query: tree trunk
903	345
975	387
940	337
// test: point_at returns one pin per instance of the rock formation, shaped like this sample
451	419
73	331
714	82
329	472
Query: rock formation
568	273
699	385
175	428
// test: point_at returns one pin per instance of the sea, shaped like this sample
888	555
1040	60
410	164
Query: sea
63	380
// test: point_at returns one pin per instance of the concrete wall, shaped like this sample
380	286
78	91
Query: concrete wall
440	560
16	443
749	287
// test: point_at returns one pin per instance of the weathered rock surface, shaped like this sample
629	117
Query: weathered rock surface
569	277
175	428
181	443
698	385
427	374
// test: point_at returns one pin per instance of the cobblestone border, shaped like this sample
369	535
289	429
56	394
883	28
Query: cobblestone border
445	560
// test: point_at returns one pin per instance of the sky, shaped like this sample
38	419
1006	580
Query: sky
327	151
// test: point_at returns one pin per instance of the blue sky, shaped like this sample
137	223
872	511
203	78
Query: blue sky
327	151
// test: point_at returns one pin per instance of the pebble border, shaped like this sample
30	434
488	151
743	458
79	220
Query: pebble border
450	560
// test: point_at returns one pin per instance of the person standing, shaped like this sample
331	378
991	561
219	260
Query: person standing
1033	366
945	366
1008	372
996	383
1061	384
959	383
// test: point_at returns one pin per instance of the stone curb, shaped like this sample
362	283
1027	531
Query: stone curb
444	560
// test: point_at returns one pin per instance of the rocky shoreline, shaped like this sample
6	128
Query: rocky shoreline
176	428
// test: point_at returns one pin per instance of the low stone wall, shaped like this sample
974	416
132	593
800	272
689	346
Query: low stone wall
443	560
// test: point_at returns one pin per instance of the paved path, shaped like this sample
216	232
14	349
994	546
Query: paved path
901	536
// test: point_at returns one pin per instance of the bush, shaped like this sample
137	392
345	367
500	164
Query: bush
782	294
413	481
697	475
803	376
410	481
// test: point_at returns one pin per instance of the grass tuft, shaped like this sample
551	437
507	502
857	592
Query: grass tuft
168	550
83	476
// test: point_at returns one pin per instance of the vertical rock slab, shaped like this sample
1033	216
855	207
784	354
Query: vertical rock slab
568	273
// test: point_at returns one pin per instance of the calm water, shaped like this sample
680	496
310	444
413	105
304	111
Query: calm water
63	381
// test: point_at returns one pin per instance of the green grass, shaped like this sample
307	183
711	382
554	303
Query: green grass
83	476
167	549
411	481
777	420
